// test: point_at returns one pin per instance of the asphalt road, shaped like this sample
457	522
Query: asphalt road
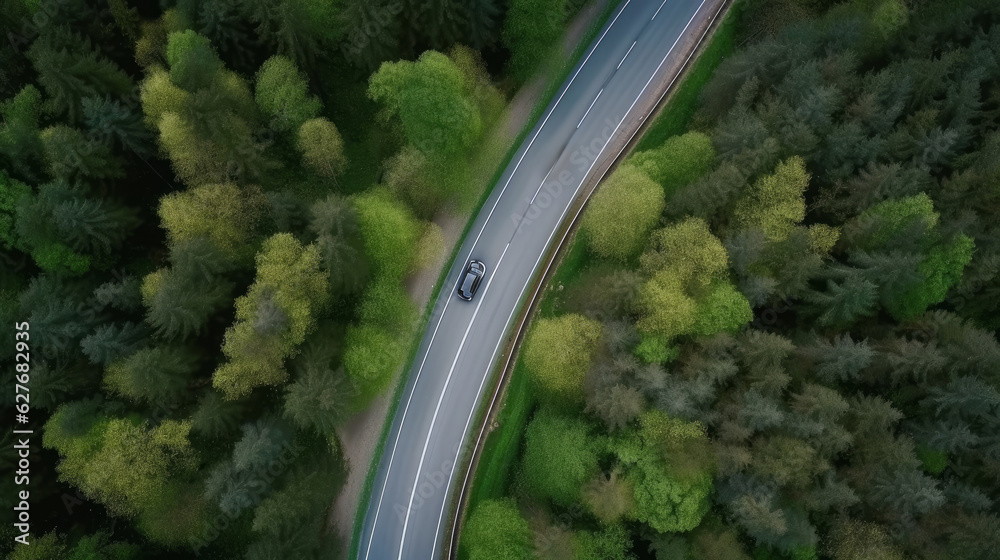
407	515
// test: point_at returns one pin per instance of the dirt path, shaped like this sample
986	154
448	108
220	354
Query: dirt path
360	434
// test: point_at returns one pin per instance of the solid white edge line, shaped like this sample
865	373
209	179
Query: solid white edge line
581	121
392	456
444	391
561	217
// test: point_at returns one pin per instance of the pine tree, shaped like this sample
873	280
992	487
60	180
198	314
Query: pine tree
69	70
299	29
319	399
759	412
123	295
11	193
617	405
844	303
113	341
20	144
530	30
907	492
481	23
59	315
762	356
112	122
157	375
374	33
216	417
335	223
179	303
72	156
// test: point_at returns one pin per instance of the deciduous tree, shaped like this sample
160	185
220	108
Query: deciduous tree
496	531
557	354
621	213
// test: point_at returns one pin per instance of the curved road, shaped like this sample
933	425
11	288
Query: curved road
407	512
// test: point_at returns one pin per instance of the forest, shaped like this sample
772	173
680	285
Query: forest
208	211
774	335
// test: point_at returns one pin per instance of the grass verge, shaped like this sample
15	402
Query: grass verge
501	449
552	87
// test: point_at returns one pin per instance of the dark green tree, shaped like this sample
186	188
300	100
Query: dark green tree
70	70
113	341
530	29
20	143
158	375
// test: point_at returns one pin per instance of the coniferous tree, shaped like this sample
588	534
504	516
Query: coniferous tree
303	30
158	375
20	141
69	70
530	29
319	399
110	121
215	417
113	341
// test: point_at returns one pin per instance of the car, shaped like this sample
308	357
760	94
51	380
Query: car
473	275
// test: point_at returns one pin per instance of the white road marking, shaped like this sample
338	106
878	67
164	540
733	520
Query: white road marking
626	54
530	202
660	8
585	116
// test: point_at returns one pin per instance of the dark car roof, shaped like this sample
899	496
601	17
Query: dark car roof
474	272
